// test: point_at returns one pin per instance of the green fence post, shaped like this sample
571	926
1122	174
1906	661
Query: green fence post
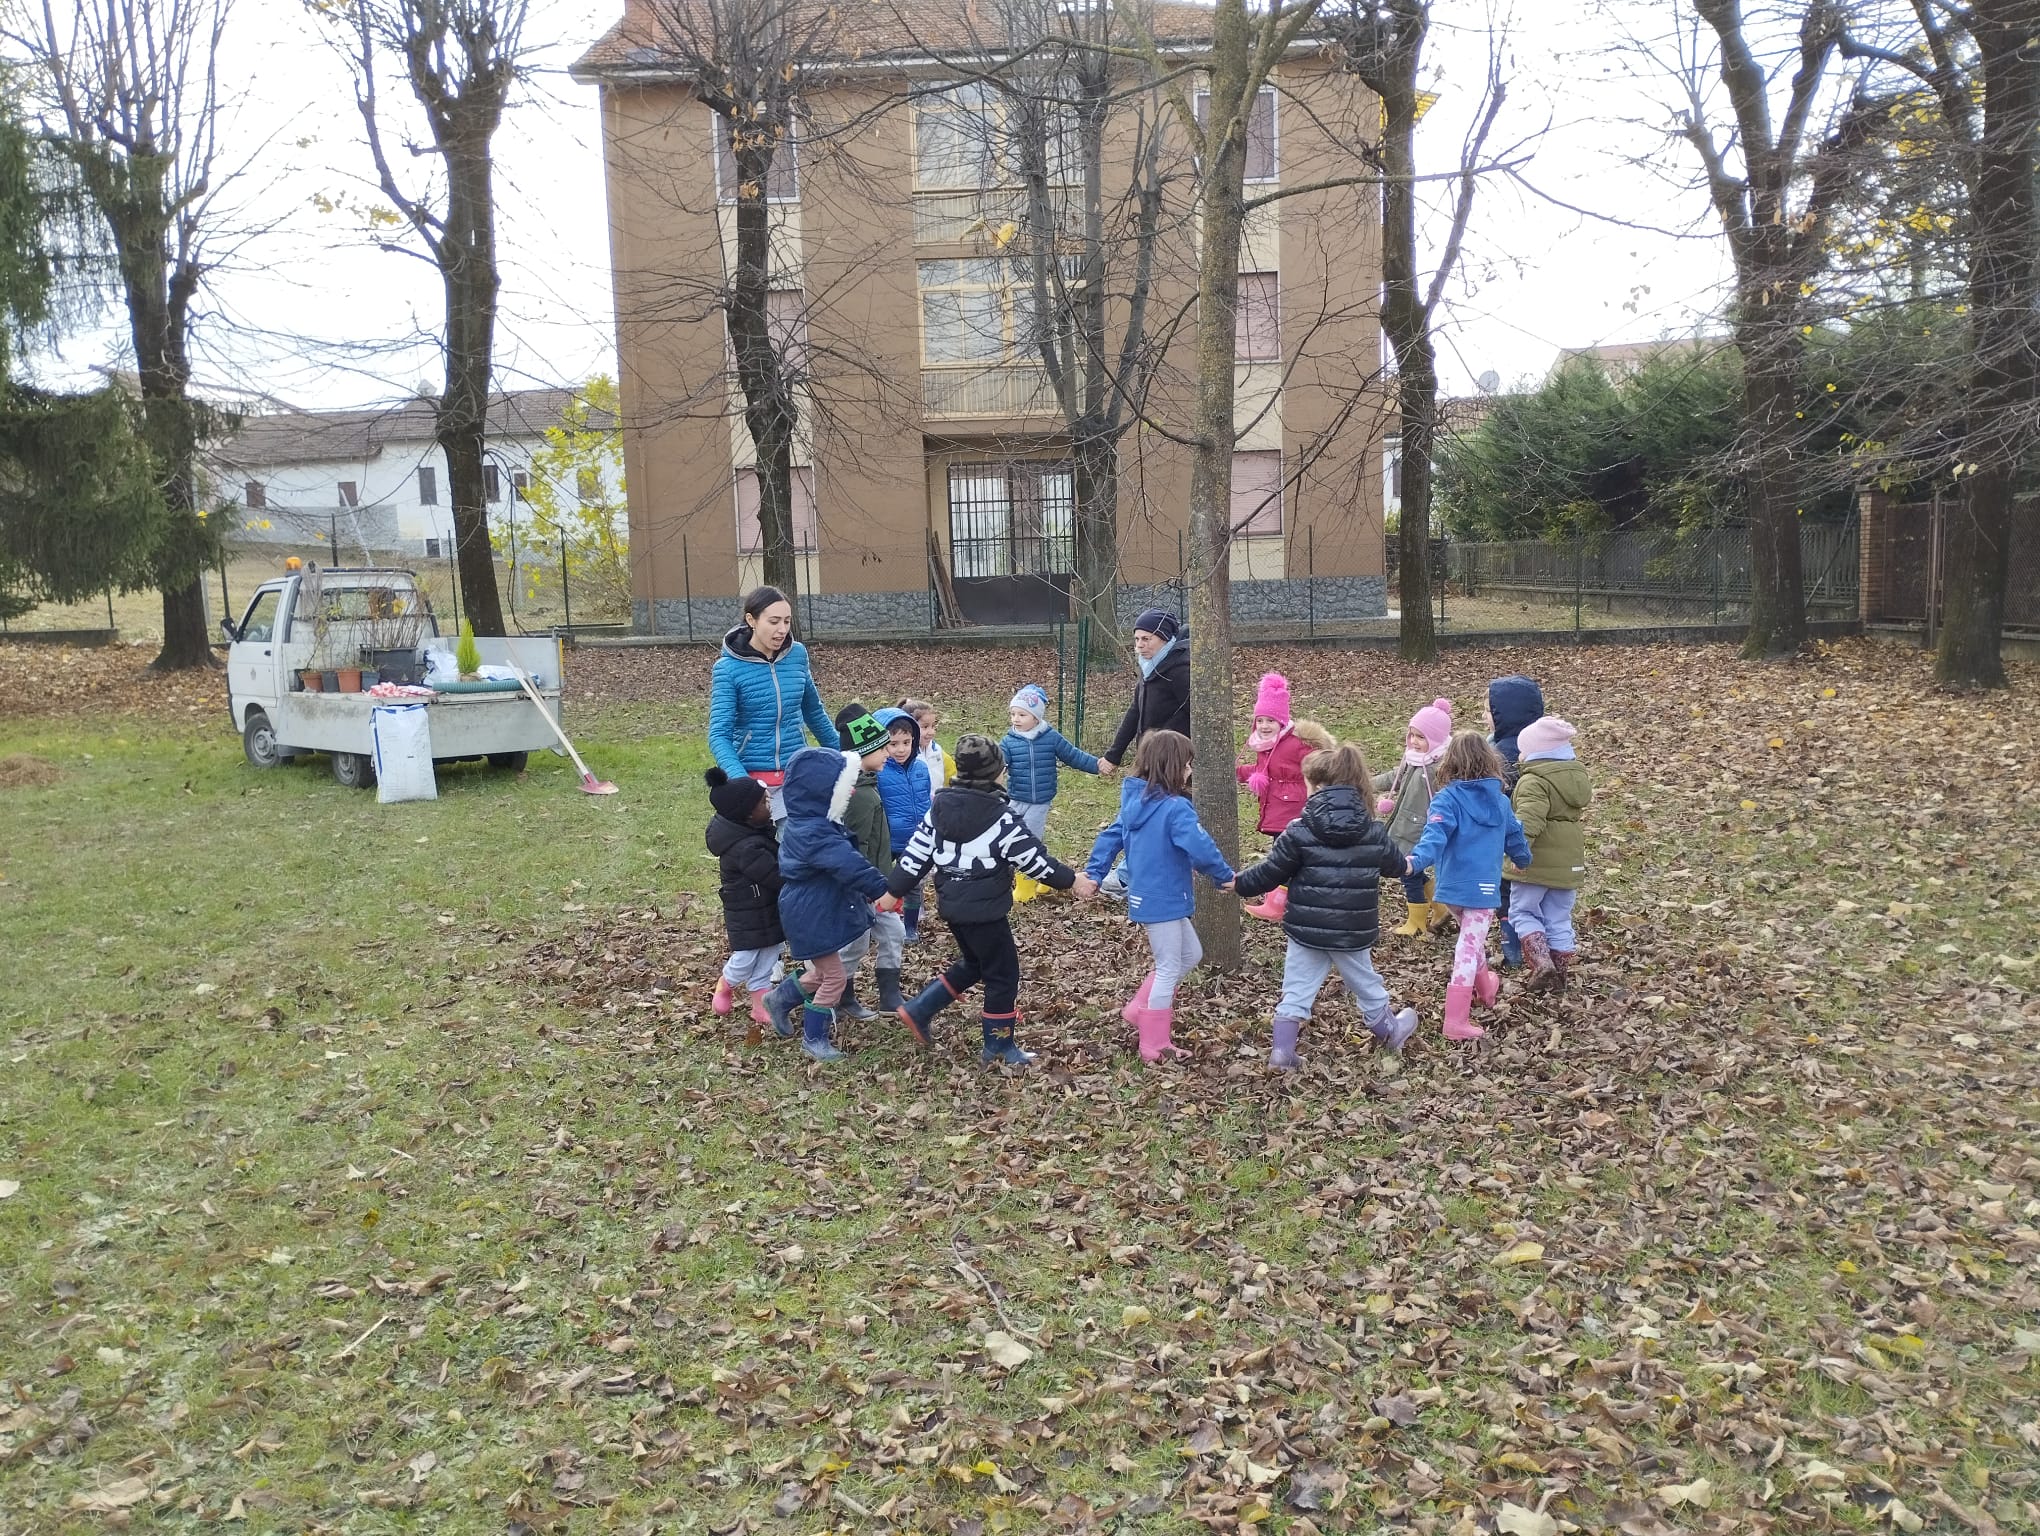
1579	578
1083	672
1061	632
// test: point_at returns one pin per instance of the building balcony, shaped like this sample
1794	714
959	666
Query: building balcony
1000	392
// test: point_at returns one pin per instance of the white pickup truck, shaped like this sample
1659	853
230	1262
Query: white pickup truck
298	622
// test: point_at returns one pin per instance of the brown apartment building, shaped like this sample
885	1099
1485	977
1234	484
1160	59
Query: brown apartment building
929	430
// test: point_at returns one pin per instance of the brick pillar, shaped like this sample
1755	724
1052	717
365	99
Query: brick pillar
1872	553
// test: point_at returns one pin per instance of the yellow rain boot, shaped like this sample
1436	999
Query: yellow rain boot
1417	923
1026	887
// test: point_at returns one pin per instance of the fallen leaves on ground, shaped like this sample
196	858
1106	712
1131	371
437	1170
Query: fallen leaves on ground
1738	1234
61	681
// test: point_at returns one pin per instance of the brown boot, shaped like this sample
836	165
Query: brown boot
1561	968
1541	970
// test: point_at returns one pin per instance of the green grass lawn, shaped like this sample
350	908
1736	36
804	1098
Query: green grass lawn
381	1168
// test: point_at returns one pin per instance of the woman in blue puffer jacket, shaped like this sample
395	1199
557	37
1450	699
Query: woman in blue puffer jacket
761	694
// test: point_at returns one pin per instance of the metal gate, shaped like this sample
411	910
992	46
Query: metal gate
1012	540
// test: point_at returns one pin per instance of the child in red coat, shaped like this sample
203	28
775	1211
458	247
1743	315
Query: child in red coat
1275	774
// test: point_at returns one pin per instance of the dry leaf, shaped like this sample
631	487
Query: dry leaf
1004	1350
1515	1520
1525	1252
1699	1493
125	1494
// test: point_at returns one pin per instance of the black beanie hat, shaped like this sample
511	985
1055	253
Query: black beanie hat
735	798
979	763
1156	621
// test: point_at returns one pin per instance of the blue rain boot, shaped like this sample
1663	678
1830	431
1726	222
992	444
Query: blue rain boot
919	1015
781	1003
816	1023
1512	947
999	1046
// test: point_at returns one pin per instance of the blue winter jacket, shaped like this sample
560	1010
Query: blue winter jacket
1469	828
756	707
1163	842
1513	701
906	788
1031	763
826	887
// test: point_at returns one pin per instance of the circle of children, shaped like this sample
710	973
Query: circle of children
1474	825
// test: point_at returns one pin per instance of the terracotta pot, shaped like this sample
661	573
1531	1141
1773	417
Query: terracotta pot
350	679
309	677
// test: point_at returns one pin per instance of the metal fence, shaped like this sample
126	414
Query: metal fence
1648	577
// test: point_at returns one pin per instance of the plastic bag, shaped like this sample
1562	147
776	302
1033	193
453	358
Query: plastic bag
403	753
440	667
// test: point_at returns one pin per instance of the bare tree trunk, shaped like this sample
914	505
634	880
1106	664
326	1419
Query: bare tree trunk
1222	219
1408	325
1777	582
2004	286
461	426
1096	472
770	413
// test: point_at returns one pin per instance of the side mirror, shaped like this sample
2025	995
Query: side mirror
227	629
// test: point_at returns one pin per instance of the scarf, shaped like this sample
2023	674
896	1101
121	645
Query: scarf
1423	759
1149	663
1029	735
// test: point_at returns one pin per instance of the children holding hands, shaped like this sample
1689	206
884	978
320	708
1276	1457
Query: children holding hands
1163	842
1552	794
1332	858
1274	774
1467	832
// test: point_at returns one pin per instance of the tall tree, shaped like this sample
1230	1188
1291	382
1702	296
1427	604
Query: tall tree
2004	290
1247	42
1774	190
1383	43
79	506
1068	119
133	104
461	60
750	62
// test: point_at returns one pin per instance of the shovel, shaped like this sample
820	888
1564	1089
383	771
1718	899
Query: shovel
590	785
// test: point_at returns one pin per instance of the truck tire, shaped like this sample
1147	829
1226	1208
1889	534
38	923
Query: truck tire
258	741
354	770
509	762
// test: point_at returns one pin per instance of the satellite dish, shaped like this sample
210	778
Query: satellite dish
1488	382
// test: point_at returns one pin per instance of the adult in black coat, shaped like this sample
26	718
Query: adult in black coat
1161	699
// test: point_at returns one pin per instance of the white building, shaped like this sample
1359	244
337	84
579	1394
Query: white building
373	482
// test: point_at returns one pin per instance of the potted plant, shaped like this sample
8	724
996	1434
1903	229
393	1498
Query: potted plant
391	635
467	656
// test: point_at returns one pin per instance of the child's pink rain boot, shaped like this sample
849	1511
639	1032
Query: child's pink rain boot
1137	1004
725	996
1271	906
1154	1033
1459	1023
1487	986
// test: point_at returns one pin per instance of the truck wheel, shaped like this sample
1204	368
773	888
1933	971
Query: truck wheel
509	762
258	741
354	770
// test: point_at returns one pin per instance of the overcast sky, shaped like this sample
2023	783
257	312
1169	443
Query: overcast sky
307	311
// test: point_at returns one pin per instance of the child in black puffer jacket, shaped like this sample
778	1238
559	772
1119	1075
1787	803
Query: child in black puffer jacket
741	836
1332	858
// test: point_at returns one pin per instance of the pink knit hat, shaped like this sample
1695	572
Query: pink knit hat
1434	720
1543	734
1272	699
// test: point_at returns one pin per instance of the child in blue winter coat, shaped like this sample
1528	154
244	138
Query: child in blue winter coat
1033	748
1469	828
906	785
826	893
1163	841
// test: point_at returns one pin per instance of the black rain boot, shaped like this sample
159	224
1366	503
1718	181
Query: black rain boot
889	999
919	1015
